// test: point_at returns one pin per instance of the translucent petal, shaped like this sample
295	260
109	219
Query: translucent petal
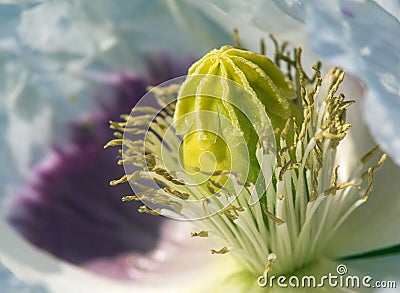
294	8
254	19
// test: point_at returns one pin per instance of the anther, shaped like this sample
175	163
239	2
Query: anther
271	259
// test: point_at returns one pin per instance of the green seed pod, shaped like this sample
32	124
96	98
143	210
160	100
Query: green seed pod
207	90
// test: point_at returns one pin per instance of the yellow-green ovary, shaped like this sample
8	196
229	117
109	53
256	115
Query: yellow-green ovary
267	92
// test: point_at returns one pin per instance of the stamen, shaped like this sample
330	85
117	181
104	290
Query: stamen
229	211
145	209
335	186
370	154
223	250
236	39
371	172
199	234
272	216
298	202
271	259
263	47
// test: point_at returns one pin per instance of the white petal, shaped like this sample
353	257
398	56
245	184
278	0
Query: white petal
254	19
294	8
391	6
187	267
374	225
344	33
381	110
381	268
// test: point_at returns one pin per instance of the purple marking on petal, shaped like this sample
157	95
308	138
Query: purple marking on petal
347	13
68	207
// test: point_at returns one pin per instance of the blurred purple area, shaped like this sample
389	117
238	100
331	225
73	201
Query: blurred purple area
67	207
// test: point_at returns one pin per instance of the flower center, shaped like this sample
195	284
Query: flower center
290	213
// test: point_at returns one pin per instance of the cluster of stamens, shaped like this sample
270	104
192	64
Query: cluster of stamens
303	202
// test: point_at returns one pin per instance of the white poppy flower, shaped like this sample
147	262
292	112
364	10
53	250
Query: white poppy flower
52	50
